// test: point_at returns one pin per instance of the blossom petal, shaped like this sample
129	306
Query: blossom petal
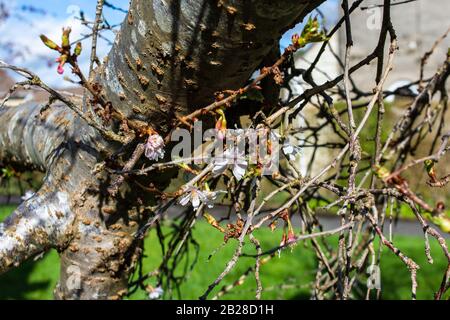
220	165
184	200
239	170
288	149
195	199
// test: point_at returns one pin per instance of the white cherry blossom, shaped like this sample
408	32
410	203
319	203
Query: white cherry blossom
196	196
154	148
232	159
156	293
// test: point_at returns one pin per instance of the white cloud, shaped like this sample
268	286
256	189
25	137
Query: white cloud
24	35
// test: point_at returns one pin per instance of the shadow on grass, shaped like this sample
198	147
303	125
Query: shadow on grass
17	283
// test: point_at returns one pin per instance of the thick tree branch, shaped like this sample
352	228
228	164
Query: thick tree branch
36	225
30	136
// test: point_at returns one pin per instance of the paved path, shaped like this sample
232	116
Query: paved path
402	227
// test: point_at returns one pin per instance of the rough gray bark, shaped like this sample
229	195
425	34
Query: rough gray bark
172	56
70	211
43	220
169	59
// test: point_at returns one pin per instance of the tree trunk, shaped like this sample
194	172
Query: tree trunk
172	56
168	60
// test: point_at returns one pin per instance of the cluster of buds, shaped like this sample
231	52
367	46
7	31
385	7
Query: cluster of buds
434	180
442	220
287	220
65	49
289	238
234	231
311	33
429	167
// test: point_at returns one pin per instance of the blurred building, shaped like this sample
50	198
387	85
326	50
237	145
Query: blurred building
418	24
18	97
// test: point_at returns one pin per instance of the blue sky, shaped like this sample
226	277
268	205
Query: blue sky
330	10
21	32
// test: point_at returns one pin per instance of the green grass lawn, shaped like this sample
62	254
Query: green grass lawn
36	280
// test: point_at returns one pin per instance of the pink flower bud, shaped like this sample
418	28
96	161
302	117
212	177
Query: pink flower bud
62	61
291	236
221	127
60	69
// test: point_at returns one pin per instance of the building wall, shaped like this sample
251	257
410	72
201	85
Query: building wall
327	68
418	25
